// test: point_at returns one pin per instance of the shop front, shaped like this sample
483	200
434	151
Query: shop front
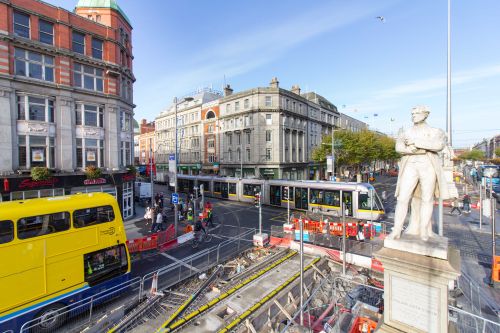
120	185
269	173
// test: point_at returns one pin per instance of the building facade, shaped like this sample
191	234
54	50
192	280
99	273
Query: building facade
191	120
66	95
147	142
488	146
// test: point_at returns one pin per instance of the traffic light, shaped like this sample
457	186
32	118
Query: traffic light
285	192
256	199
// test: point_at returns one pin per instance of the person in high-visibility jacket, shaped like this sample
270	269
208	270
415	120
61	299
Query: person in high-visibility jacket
190	216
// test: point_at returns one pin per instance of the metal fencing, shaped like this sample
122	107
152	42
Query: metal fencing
102	310
480	303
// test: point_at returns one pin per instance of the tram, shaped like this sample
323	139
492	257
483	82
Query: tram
360	199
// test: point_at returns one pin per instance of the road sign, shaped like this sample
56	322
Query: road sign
175	198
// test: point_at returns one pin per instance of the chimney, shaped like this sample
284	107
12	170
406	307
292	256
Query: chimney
296	89
143	122
227	90
274	83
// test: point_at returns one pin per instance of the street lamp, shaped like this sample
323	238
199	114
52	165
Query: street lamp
176	206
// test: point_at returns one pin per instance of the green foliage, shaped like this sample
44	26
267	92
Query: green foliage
40	173
131	169
356	148
473	155
497	152
92	172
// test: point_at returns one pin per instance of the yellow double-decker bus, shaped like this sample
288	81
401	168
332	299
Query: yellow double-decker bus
55	252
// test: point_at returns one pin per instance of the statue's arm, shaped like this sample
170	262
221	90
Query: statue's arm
402	147
434	142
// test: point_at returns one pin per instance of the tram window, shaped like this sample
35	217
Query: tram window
332	198
90	216
250	189
316	196
290	194
232	188
217	187
367	201
40	225
104	264
6	231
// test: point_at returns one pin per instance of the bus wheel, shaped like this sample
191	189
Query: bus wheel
50	318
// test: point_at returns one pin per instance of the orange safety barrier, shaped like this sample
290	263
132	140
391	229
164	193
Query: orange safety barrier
149	242
134	245
495	271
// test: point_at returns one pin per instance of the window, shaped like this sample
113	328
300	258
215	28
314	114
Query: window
89	152
316	196
250	189
367	201
236	106
238	139
103	265
230	139
211	157
248	137
248	154
246	103
125	153
97	48
210	128
6	231
91	216
88	77
211	143
34	65
332	198
232	188
239	154
34	226
228	107
89	115
268	101
268	154
125	121
78	44
230	155
46	32
268	136
36	151
217	186
269	119
21	25
35	108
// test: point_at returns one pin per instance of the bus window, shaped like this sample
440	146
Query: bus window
217	187
316	196
232	188
89	216
34	226
104	264
367	201
332	198
250	189
6	231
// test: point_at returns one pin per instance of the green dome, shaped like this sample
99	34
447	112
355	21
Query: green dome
102	4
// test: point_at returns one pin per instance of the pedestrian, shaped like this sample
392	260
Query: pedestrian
455	204
190	216
384	196
466	203
161	200
209	218
148	215
157	226
157	198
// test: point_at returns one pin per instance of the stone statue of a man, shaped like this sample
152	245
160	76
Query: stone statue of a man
420	175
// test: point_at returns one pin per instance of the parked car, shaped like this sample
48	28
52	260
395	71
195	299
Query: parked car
393	172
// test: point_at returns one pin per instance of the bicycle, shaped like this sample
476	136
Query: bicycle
199	237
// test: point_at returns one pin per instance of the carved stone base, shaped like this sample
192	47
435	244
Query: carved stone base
436	247
416	290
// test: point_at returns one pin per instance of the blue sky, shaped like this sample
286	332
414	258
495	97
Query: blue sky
335	48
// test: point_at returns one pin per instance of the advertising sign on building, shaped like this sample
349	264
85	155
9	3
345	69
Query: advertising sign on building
38	155
172	169
90	156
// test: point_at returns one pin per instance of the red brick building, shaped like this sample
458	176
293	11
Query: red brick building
211	144
66	87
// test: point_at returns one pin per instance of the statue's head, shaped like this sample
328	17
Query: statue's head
419	113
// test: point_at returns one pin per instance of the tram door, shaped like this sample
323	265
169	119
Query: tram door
347	200
275	195
224	189
301	198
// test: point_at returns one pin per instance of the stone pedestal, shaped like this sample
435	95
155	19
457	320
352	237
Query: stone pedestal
416	290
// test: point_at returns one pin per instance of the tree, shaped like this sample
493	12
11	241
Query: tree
473	155
497	152
355	149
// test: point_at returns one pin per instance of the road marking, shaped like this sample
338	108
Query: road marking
180	262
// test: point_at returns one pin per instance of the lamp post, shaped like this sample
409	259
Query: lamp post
333	148
151	169
176	206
